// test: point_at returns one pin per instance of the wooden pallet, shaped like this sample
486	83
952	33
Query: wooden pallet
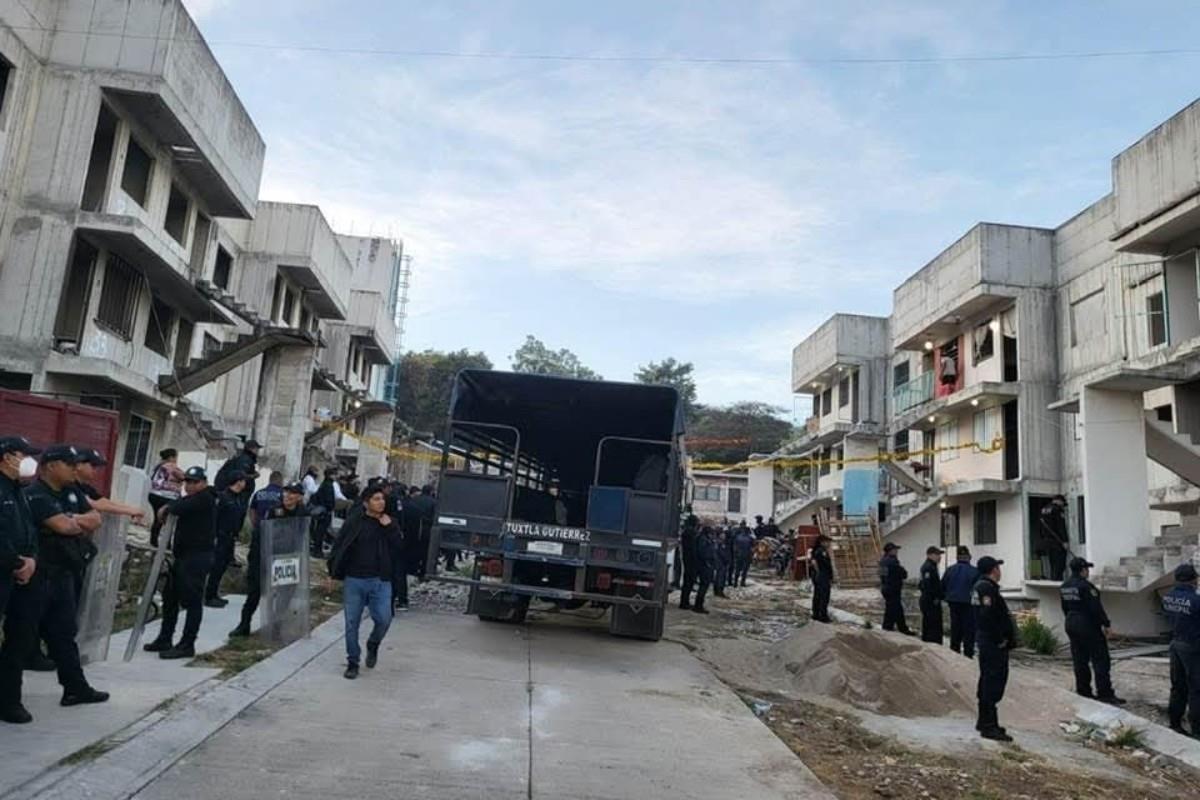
856	550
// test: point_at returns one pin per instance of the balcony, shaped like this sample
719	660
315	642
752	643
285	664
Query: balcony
979	275
930	414
909	395
151	61
842	342
370	321
299	241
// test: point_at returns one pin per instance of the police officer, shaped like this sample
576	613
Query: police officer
706	565
230	514
891	583
1182	607
958	587
743	553
1087	627
291	504
89	460
245	464
65	520
688	545
195	538
931	597
18	565
721	561
821	569
996	635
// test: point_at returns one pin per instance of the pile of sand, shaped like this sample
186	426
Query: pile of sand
881	672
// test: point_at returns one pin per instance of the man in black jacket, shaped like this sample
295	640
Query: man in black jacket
18	564
891	583
195	538
687	547
706	565
931	597
821	570
230	515
361	559
996	637
1087	627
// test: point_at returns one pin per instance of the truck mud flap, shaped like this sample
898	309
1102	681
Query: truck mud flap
497	606
634	620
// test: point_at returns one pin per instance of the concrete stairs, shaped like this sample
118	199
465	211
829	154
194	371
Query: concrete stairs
207	424
229	356
219	295
912	511
1177	452
1152	566
790	508
905	476
364	407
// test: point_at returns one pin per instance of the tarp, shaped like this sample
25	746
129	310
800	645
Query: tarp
284	576
98	601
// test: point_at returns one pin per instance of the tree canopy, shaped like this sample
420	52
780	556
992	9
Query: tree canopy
729	434
670	372
536	358
425	381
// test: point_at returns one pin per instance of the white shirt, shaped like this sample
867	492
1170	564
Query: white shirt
310	485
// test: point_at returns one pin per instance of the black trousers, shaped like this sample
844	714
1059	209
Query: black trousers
1185	685
253	582
993	679
932	626
690	576
1058	563
49	604
677	569
1089	653
222	558
704	579
962	629
22	614
741	569
318	533
719	578
400	579
185	589
820	604
156	502
893	614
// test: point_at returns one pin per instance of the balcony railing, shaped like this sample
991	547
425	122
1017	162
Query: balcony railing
913	393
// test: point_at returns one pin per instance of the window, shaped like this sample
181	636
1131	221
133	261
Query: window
77	292
825	457
735	501
135	180
5	72
900	374
844	392
837	456
289	305
983	344
1087	318
985	522
277	298
158	328
177	214
1082	521
985	427
827	401
711	494
947	437
119	297
222	268
137	441
900	442
95	185
1156	319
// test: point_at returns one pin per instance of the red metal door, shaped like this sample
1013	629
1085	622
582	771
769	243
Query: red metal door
44	420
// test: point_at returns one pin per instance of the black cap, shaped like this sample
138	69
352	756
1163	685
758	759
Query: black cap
17	444
987	564
1080	564
294	488
61	452
90	455
195	474
962	551
890	546
1185	573
933	550
251	444
237	475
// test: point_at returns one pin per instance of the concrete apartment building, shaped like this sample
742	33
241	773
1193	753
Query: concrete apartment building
1032	361
140	270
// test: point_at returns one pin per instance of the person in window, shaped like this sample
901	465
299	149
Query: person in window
166	480
1056	543
949	368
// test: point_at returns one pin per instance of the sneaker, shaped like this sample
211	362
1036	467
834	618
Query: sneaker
996	735
216	602
15	715
351	672
39	662
181	650
157	646
86	695
239	631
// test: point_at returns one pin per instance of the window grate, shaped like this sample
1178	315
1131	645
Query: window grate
137	442
119	297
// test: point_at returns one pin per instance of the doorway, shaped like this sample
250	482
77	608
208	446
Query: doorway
1008	354
950	522
1012	436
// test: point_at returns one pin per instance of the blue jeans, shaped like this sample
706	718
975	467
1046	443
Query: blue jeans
374	594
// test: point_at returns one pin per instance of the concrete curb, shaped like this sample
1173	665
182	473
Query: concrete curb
154	746
1157	737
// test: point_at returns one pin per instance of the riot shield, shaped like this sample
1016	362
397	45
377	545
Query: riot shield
165	537
284	576
100	587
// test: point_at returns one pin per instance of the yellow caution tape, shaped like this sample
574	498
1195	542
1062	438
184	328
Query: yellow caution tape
792	461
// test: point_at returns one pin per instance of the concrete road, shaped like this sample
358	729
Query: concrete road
460	708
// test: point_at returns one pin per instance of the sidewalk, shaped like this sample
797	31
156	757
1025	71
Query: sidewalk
137	687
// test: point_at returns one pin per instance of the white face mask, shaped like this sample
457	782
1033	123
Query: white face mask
29	466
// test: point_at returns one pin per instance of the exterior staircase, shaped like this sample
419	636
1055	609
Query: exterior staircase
230	356
904	476
207	424
219	295
1177	452
790	508
1152	567
912	511
365	407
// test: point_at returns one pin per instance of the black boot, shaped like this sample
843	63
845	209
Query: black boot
241	630
83	695
159	645
216	602
699	609
184	649
351	672
15	715
40	662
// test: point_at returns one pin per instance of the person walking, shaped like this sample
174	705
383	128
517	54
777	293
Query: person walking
743	551
821	569
891	585
195	539
18	565
230	515
166	481
706	562
1182	607
1087	628
958	587
689	555
996	636
932	626
361	559
263	508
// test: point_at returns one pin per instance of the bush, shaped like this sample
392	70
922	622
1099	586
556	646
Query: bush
1037	637
1126	737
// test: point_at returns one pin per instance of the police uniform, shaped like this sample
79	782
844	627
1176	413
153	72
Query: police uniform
706	566
18	540
932	626
266	508
891	583
1182	607
688	541
1085	626
821	568
230	514
995	636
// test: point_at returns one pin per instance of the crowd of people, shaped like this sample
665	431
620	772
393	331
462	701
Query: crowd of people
717	556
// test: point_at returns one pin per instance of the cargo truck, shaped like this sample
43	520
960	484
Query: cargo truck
564	490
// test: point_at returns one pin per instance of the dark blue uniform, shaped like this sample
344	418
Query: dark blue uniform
1182	607
931	602
821	569
958	587
996	636
891	582
1085	625
688	541
19	604
706	564
743	549
195	538
230	514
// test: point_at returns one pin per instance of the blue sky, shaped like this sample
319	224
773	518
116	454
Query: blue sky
716	213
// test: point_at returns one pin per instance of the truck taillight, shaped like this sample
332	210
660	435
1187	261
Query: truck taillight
476	540
604	580
493	567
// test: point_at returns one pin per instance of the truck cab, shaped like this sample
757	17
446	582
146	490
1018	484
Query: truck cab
561	489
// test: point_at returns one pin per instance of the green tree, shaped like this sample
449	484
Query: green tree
670	372
535	358
731	433
424	384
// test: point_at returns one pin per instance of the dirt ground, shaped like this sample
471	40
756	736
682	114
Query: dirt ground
906	730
